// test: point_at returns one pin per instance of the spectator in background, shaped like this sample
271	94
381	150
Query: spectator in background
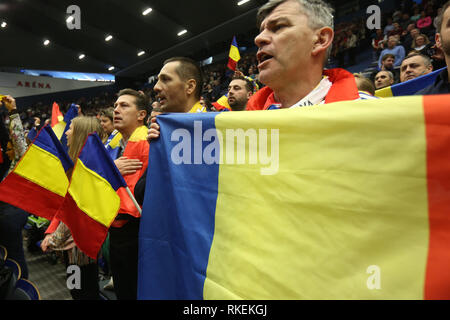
364	85
441	84
424	23
387	64
405	21
415	65
383	79
377	44
240	90
352	40
12	219
416	15
421	44
397	31
395	49
107	123
409	37
389	26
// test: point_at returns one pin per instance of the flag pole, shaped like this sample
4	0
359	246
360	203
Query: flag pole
138	207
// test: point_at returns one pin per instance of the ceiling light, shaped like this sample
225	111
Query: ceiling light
141	53
46	42
147	11
111	68
4	24
69	19
109	37
240	3
182	32
81	56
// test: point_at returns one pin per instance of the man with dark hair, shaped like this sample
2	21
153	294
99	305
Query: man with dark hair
130	111
441	84
387	64
415	65
240	90
179	86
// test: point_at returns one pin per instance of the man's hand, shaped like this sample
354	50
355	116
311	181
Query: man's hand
45	243
9	102
153	132
37	122
127	166
438	53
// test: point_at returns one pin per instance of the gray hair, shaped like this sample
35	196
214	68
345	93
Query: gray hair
319	13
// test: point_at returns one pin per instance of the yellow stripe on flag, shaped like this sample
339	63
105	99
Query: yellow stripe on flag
384	93
347	223
58	129
234	53
139	134
93	194
50	176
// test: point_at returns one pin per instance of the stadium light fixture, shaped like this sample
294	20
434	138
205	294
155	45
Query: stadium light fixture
81	56
182	32
108	37
240	3
140	53
4	24
69	19
111	68
46	42
147	11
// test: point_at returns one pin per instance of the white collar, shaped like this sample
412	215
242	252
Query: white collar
317	96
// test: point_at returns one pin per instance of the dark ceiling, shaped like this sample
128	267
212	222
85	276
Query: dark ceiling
210	24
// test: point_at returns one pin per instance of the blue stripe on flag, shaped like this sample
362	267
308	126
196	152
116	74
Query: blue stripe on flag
172	257
95	157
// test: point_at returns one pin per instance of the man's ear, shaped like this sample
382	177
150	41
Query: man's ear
191	84
141	115
322	40
437	39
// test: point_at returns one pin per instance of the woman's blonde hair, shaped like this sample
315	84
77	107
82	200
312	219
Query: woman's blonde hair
426	40
82	126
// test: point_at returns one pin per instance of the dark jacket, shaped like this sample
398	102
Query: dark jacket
440	85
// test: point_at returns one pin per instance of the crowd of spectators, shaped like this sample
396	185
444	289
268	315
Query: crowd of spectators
403	49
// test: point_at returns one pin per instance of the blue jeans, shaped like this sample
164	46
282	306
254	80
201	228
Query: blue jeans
12	221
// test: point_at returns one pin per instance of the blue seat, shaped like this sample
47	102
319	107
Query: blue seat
15	267
29	288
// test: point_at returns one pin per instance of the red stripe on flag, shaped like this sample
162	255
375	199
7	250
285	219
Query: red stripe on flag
87	233
232	64
437	119
28	196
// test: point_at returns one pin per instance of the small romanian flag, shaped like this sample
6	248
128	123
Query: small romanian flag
38	183
234	55
57	121
91	203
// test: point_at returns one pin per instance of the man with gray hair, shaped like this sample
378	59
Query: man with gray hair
293	46
415	65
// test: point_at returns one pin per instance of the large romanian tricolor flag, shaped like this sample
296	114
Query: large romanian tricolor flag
91	203
234	55
348	200
409	87
38	183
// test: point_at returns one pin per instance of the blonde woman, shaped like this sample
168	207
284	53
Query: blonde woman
421	44
60	238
